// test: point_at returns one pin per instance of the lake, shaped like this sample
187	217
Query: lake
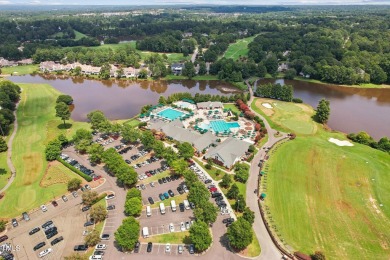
121	99
352	109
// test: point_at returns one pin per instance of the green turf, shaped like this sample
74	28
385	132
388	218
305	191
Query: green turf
36	119
79	35
238	49
173	238
325	197
232	107
134	122
212	171
253	249
20	70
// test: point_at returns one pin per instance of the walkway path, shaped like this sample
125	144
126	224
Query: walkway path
9	154
268	248
194	55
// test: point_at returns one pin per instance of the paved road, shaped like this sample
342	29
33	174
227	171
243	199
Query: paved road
268	248
9	153
193	57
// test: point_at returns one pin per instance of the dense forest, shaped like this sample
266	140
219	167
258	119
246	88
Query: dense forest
346	45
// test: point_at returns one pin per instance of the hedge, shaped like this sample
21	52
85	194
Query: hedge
99	198
70	167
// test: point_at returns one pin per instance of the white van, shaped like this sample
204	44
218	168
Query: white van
162	208
173	205
145	232
186	204
148	211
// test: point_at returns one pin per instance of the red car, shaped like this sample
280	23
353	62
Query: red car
213	189
149	174
97	178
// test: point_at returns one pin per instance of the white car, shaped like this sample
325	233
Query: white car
171	228
43	208
101	247
45	252
168	248
182	226
110	196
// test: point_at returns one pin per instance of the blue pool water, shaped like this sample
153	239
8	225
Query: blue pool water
219	125
170	113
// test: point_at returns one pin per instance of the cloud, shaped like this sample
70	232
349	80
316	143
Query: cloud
4	2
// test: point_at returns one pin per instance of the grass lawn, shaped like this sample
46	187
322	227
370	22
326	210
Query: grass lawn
155	177
172	57
113	47
325	197
79	35
253	249
232	107
179	198
211	172
37	127
199	77
239	48
173	238
5	173
134	122
20	70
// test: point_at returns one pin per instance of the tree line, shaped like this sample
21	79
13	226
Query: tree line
9	96
275	91
364	138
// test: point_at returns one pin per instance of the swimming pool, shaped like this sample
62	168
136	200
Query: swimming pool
170	113
219	126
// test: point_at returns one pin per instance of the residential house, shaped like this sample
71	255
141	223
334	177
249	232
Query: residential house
283	67
228	152
177	68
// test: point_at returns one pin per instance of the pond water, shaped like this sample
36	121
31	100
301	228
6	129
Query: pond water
352	109
121	99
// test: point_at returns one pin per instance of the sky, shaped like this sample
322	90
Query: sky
175	2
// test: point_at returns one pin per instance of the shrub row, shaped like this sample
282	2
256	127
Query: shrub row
70	167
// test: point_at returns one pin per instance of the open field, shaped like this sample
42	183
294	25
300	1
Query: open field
37	126
20	70
79	35
325	197
238	49
232	107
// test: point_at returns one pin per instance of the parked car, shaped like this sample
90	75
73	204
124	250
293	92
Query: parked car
170	192
161	196
181	206
39	245
216	194
192	249
26	217
180	249
75	195
98	253
88	223
47	223
110	196
55	204
64	198
168	248
110	207
87	187
14	222
151	201
150	247
43	208
160	181
171	228
105	237
45	252
101	247
51	234
182	226
137	246
166	195
180	190
33	231
192	205
80	248
3	238
56	240
85	208
187	225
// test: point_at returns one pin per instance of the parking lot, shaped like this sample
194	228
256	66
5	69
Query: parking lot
158	188
159	249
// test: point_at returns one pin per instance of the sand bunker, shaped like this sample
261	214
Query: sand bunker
267	105
339	142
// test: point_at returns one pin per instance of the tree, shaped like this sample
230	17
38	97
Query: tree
318	255
53	150
76	256
323	111
186	150
92	238
198	194
202	68
82	134
179	165
95	152
3	225
240	234
133	193
98	213
189	70
233	192
207	212
143	74
74	184
105	71
83	145
89	197
162	100
200	236
65	98
252	148
133	207
226	181
130	134
290	74
127	234
159	148
127	175
3	145
249	215
147	139
62	111
63	139
240	203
